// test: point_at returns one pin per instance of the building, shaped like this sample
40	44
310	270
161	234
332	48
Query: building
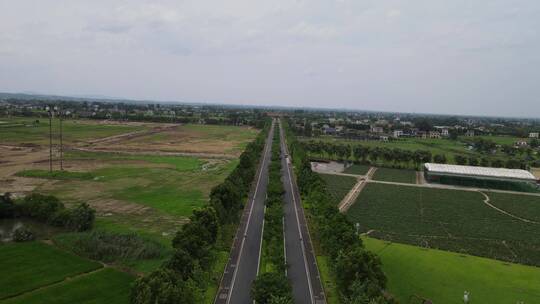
377	129
533	135
445	132
459	174
521	143
469	133
329	130
434	134
397	133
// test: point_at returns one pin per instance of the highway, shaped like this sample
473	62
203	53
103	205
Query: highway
302	268
243	265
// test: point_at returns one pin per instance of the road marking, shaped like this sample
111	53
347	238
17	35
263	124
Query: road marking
284	147
267	146
260	245
284	245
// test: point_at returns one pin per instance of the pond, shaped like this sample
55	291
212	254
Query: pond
40	230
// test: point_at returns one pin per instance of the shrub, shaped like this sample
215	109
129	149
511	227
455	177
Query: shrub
41	207
111	247
7	208
162	286
23	234
81	218
270	285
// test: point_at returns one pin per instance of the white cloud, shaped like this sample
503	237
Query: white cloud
397	52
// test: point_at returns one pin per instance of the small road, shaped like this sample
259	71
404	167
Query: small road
243	265
302	268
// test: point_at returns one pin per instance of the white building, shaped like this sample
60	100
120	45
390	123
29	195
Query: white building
376	129
398	133
435	171
534	135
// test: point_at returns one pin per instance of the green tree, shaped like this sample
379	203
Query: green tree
81	218
460	159
271	285
162	287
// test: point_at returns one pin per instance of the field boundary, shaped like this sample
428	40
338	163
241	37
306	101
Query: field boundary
66	279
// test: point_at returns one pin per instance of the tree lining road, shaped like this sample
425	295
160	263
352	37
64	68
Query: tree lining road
243	265
302	271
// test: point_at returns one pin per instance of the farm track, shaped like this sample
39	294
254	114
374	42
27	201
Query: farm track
154	152
351	197
132	135
487	202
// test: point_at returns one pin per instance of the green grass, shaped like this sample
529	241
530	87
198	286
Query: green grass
338	186
60	175
217	270
179	162
328	280
452	220
395	175
22	130
107	286
27	266
525	206
357	169
443	276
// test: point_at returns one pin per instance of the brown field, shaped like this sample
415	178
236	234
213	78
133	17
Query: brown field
157	174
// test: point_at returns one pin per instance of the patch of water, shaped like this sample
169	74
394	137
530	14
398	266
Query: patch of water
40	230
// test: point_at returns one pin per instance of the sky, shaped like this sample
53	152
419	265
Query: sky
478	57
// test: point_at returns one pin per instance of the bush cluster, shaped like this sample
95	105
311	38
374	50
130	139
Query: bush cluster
183	277
110	247
49	209
358	273
23	234
273	284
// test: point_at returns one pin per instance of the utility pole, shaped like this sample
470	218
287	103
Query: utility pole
49	109
61	142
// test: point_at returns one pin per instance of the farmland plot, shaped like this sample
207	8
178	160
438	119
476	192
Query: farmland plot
452	220
338	186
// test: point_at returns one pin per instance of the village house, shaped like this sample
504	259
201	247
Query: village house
397	133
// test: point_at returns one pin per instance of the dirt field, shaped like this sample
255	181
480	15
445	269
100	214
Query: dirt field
159	173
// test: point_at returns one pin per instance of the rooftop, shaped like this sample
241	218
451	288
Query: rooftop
480	171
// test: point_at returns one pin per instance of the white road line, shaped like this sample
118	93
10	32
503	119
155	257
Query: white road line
260	245
284	245
297	218
249	219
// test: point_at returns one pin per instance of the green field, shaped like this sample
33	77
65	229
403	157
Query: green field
443	276
107	286
27	266
527	206
338	185
24	130
452	220
357	169
395	175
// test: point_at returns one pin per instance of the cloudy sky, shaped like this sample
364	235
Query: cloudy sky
438	56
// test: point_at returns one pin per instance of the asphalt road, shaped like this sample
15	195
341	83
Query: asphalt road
243	265
302	268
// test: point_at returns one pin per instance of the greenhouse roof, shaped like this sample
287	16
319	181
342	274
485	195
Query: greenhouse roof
480	171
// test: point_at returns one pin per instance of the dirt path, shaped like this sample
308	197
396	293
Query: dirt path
351	197
154	152
131	135
487	202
